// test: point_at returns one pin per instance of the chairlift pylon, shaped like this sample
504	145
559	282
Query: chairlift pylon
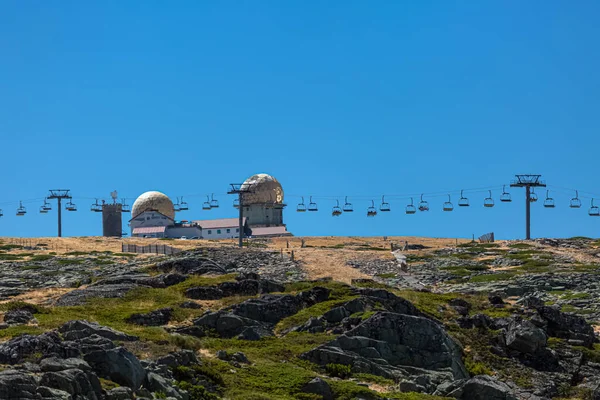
575	202
423	205
312	206
505	196
488	201
337	210
594	211
549	202
448	206
533	197
372	211
385	207
183	206
214	203
206	204
348	206
301	207
463	201
410	209
21	211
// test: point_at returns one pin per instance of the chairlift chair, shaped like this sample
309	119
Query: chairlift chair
47	206
410	209
206	204
463	201
549	202
575	202
44	207
124	206
505	196
1	214
372	211
183	206
214	203
448	205
312	206
337	210
594	211
488	201
533	197
347	206
236	203
177	206
423	205
385	207
70	206
95	207
21	210
301	207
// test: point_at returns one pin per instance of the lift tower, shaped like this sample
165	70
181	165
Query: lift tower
240	189
59	194
528	181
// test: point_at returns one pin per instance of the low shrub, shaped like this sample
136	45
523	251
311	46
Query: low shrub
339	370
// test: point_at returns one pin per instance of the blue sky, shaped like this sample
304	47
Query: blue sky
332	98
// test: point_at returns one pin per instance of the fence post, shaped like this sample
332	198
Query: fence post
292	255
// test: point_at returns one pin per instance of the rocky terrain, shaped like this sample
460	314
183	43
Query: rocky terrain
510	320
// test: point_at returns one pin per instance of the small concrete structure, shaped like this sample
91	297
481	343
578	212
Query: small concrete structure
112	220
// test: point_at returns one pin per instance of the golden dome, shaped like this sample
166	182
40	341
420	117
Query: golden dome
153	201
265	189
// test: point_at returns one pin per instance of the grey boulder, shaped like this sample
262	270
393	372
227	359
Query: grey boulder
319	387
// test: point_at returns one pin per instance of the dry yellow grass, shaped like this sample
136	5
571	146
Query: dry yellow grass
321	257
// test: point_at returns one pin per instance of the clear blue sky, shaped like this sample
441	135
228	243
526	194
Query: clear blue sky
332	98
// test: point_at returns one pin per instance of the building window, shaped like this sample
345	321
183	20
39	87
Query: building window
218	231
228	230
237	230
209	232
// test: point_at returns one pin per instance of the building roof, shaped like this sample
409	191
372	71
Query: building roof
220	223
270	231
149	229
154	211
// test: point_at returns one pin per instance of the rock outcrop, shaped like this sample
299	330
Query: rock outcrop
394	346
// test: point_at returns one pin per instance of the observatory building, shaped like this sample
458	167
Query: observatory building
263	206
153	215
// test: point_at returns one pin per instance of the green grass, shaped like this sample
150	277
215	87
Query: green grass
31	267
501	276
10	257
42	257
73	261
10	247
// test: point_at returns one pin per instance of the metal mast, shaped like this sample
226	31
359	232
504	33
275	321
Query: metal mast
240	189
528	181
59	194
